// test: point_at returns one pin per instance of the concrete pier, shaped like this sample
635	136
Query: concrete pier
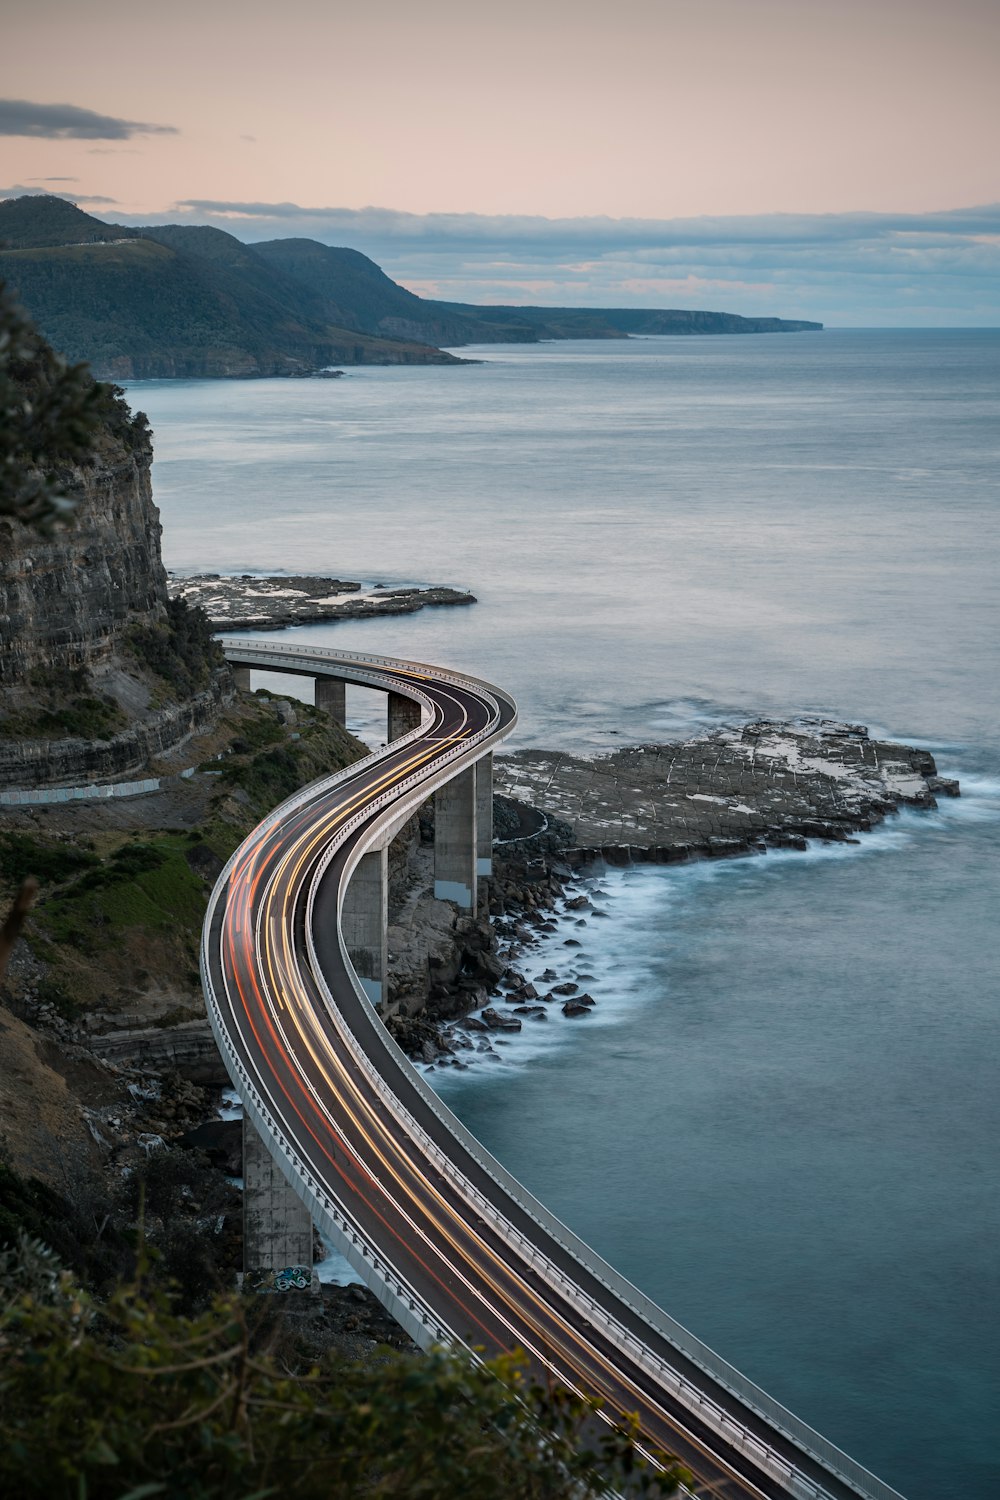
403	715
331	696
455	849
241	677
484	816
365	922
277	1229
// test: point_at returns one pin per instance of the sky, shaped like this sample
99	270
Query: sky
829	159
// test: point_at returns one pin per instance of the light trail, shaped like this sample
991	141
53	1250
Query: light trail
466	1254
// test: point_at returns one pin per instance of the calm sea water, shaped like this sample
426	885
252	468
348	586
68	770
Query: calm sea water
783	1122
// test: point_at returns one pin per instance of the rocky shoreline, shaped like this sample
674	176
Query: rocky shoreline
461	987
766	784
733	792
249	601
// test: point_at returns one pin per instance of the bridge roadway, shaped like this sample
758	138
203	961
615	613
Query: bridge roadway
454	1247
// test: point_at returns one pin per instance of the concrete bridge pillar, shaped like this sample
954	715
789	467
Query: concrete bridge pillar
403	715
365	922
241	677
331	696
455	850
484	816
277	1229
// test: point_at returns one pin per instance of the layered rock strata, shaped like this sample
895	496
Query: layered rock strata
65	599
72	762
98	673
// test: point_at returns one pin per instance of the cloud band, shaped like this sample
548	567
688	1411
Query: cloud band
62	122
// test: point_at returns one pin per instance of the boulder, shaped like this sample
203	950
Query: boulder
222	1143
496	1022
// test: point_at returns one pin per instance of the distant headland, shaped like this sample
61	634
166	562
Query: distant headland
192	301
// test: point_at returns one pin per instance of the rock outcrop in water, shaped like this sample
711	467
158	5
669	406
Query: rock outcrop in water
735	791
253	602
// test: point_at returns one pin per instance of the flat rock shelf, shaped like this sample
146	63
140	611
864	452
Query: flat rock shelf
734	791
249	601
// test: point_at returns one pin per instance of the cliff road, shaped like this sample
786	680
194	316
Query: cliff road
456	1249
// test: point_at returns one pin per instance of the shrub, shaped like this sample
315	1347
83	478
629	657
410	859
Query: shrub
181	650
21	855
130	1399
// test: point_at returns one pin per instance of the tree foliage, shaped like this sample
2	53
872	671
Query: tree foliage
128	1399
181	648
50	416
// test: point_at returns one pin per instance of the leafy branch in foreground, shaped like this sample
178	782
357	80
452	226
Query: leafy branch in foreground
128	1399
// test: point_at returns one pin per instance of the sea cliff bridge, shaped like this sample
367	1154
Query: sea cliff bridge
341	1131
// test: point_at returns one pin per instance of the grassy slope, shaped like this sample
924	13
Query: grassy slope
120	912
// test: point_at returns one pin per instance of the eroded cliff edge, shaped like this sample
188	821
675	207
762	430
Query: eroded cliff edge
100	671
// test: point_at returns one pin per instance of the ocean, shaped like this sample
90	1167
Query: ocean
782	1122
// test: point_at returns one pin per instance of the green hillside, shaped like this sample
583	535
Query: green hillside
354	289
174	301
186	300
44	221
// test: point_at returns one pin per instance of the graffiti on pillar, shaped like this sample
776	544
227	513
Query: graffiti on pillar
288	1279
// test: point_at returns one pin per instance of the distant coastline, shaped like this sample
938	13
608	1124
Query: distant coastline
173	301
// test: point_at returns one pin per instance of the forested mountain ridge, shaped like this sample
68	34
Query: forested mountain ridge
173	301
186	300
361	291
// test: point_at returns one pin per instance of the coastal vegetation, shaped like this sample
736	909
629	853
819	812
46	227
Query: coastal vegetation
188	300
135	305
179	649
124	1397
120	907
51	414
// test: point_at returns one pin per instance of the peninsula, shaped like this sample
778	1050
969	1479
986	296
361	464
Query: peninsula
181	301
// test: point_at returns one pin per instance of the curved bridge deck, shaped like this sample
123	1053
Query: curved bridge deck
457	1250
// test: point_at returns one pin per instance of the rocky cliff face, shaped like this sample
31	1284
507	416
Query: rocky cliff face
99	670
74	761
65	600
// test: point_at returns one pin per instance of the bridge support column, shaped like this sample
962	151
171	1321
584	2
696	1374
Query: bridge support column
403	715
241	677
331	696
365	922
455	851
484	816
277	1229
